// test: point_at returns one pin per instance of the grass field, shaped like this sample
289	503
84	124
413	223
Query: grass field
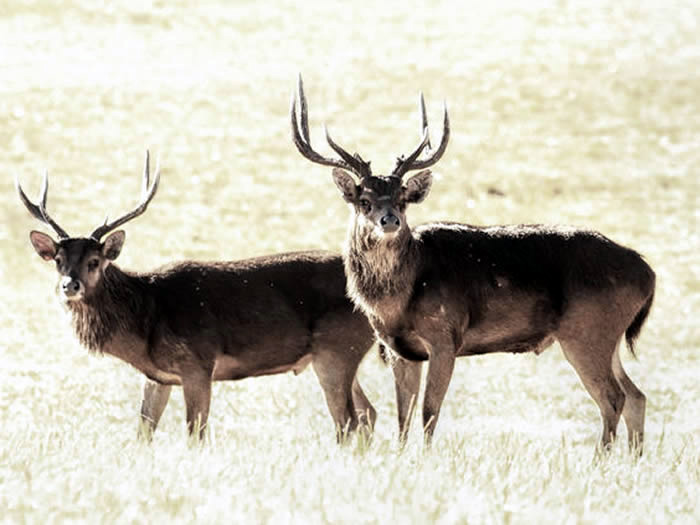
564	112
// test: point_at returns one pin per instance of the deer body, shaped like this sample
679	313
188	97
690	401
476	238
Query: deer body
471	291
498	289
445	290
201	322
147	319
192	323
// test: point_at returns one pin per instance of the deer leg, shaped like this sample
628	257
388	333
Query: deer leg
634	407
440	368
196	387
336	375
155	398
407	383
366	413
593	364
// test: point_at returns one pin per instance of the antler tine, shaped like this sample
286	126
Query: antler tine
304	113
404	165
305	148
359	165
436	154
148	194
424	119
39	211
146	174
301	138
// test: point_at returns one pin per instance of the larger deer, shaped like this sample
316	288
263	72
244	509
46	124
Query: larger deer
444	290
193	323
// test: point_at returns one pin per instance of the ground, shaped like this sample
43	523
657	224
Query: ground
561	113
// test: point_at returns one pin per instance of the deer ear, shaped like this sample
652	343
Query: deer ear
417	187
112	246
346	185
44	245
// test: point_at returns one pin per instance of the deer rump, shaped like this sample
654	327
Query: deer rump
507	288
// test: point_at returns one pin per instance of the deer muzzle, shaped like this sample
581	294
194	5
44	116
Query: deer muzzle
390	223
71	289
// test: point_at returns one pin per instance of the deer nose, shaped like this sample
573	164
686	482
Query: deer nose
70	286
390	223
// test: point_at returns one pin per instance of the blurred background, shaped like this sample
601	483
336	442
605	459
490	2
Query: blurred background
582	113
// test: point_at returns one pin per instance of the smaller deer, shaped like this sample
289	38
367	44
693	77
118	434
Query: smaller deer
192	323
446	290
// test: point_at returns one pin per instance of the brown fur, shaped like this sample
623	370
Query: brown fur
447	290
192	323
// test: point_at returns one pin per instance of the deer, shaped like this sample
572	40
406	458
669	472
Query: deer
191	323
445	290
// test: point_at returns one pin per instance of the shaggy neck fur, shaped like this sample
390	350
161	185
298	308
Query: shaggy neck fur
118	305
380	269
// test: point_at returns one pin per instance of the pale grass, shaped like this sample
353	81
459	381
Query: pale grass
561	113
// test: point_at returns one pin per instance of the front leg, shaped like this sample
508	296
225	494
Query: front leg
407	383
440	368
155	398
196	387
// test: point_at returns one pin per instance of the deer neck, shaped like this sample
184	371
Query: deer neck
381	272
117	308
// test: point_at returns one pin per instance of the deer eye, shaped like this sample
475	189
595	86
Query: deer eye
365	205
93	264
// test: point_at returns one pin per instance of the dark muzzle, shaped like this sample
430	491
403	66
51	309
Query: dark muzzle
390	223
70	287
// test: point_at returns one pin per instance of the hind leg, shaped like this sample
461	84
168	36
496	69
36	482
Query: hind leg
592	361
634	408
336	373
196	389
366	413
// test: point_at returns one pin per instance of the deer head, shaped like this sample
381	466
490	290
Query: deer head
379	202
81	261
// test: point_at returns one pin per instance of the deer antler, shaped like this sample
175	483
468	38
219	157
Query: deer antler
410	163
147	194
301	138
39	211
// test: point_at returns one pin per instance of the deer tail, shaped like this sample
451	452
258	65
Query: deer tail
635	327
